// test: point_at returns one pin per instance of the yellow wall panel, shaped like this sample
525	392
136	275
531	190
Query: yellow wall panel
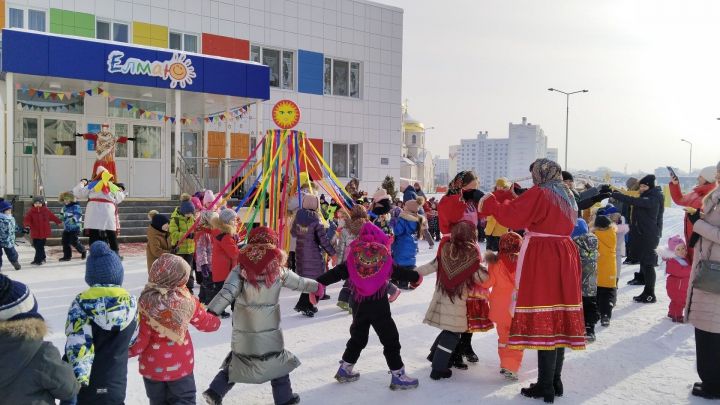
141	33
2	13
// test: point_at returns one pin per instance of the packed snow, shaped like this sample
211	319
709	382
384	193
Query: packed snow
642	358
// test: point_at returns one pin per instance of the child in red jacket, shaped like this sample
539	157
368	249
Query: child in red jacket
678	269
163	343
38	219
224	250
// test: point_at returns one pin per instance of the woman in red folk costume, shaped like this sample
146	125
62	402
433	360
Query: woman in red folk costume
460	204
706	183
548	313
105	143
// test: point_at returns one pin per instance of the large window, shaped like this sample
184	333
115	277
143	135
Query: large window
36	102
344	159
280	62
119	32
35	19
147	142
183	42
59	137
341	78
119	108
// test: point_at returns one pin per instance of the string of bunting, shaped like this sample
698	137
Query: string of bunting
230	115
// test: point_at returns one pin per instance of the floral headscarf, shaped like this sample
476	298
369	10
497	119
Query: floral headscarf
261	258
458	259
547	175
369	263
166	303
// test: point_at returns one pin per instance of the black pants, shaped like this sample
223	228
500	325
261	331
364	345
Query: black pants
708	360
106	236
606	300
590	311
444	347
401	283
291	261
39	245
648	273
178	392
304	302
380	320
493	243
190	259
550	364
71	239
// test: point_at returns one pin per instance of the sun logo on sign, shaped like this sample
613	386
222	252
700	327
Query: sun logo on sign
286	114
180	71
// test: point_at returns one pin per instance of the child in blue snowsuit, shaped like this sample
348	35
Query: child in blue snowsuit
72	222
407	231
8	229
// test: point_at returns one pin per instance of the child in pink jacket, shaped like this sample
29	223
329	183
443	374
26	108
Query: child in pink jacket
678	269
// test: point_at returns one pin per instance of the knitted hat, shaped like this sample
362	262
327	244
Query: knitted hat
158	221
66	196
186	207
674	242
196	203
39	199
4	206
152	213
567	176
208	198
510	243
648	180
103	266
581	228
502	182
709	174
602	222
310	202
206	218
16	301
380	194
227	216
611	210
185	197
412	206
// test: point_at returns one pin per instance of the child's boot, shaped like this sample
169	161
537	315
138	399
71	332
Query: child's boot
345	373
402	381
16	265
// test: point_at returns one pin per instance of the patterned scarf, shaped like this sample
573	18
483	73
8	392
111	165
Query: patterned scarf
458	259
455	186
165	302
261	258
369	263
547	175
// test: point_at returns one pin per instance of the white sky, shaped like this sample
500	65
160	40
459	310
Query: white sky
652	68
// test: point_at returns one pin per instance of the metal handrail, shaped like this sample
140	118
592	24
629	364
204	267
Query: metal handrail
39	187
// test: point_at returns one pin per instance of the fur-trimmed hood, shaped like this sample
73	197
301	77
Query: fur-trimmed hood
29	329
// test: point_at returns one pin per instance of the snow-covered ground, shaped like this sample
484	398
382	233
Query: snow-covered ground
642	358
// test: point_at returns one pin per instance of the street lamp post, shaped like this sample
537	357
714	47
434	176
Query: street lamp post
689	143
567	117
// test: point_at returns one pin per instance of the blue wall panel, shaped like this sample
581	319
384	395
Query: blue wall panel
310	72
24	53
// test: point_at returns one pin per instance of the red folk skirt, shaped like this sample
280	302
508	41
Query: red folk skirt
548	311
109	165
478	310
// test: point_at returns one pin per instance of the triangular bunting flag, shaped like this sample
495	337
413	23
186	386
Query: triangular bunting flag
61	96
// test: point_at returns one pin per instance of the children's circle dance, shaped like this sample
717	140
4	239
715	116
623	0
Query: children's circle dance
548	274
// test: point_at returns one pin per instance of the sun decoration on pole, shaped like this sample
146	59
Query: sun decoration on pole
180	71
286	114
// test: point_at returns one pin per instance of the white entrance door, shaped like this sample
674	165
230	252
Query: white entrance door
27	138
147	175
58	155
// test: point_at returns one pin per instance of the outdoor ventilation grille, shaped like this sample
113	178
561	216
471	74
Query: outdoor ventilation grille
384	161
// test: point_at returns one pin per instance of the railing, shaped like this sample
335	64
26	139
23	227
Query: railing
198	173
27	170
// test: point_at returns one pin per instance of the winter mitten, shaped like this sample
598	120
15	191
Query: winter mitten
416	284
394	295
694	217
605	189
315	297
600	197
694	238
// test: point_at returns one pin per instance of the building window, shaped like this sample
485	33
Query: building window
115	31
280	62
344	159
414	139
183	42
36	20
17	18
341	78
384	161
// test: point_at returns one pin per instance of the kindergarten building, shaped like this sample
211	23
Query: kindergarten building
193	83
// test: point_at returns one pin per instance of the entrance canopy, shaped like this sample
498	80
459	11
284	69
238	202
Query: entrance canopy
43	54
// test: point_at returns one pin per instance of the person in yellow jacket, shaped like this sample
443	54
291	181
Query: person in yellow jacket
493	229
606	233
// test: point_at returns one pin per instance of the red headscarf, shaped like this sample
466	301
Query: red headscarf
458	259
261	258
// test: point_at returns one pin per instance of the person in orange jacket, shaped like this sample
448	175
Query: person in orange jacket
501	268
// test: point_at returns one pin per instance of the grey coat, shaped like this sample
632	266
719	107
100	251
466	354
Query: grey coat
311	241
258	349
31	370
703	308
